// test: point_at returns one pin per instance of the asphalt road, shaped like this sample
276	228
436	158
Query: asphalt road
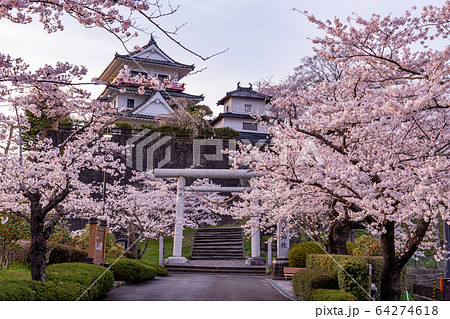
198	287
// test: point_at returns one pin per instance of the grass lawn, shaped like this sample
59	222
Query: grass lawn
152	253
16	271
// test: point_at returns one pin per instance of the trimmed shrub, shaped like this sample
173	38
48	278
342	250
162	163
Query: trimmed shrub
306	281
28	290
299	252
132	271
56	291
60	254
353	277
332	295
160	271
15	290
128	254
351	247
366	246
78	255
85	275
354	266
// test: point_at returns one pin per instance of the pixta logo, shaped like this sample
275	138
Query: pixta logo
150	143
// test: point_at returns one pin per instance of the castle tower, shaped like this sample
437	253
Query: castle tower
150	62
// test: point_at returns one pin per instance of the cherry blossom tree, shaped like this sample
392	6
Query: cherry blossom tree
40	181
379	137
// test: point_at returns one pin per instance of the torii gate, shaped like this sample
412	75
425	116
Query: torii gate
182	174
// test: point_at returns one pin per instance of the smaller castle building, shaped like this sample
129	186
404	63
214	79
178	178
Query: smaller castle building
239	110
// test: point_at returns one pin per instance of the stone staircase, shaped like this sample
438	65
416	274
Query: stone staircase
220	251
218	243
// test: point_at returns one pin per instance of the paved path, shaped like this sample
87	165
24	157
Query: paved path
197	287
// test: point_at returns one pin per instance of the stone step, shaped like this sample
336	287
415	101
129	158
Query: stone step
213	229
216	257
218	235
221	250
217	253
217	270
218	244
232	238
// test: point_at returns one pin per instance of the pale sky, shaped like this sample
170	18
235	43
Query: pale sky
265	38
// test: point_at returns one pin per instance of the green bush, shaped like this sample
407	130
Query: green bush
299	252
306	281
78	255
15	290
65	254
366	245
355	269
353	277
332	295
351	247
160	271
60	254
56	291
28	290
84	275
344	268
132	271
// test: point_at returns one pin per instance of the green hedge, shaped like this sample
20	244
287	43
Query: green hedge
84	275
160	271
299	252
15	290
332	295
306	281
29	290
66	254
132	271
357	267
353	277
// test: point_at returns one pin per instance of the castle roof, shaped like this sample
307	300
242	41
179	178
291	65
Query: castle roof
243	92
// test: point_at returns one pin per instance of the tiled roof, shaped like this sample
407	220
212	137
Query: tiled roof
153	61
164	93
245	92
234	115
152	41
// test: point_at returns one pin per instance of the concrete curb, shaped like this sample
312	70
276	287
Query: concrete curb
281	290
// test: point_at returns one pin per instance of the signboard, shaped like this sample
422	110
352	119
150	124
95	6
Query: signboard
282	240
97	241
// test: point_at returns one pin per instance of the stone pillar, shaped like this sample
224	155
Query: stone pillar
161	249
269	252
282	259
178	234
256	240
256	259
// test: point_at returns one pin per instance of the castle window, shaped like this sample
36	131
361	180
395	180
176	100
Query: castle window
250	126
130	103
248	107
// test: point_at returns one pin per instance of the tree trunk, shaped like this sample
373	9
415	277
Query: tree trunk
39	238
390	274
38	249
338	235
390	284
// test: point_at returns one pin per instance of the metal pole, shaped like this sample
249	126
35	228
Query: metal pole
447	248
370	282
